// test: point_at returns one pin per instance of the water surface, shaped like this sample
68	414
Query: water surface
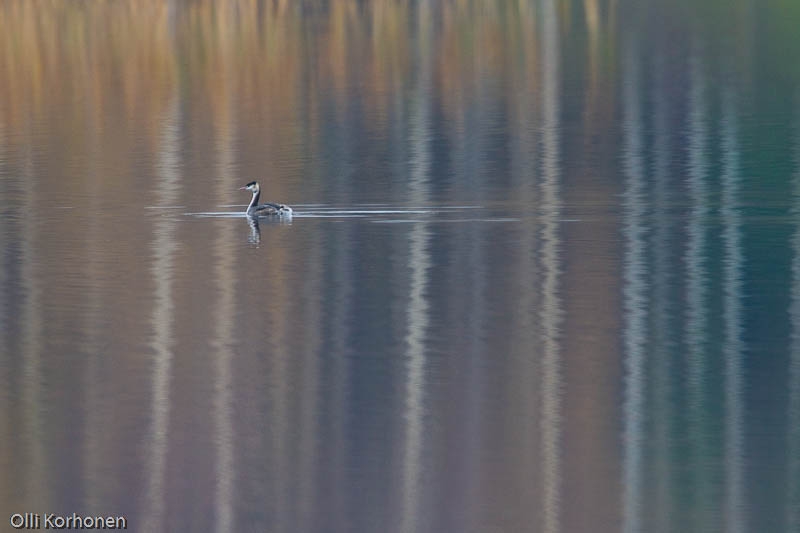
543	275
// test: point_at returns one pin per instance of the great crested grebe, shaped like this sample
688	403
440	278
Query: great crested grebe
263	210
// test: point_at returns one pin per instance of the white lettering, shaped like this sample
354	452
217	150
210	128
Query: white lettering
17	520
74	521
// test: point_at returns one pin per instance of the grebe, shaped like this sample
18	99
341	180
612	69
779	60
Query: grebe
263	210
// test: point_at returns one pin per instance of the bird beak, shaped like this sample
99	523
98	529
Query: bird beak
242	188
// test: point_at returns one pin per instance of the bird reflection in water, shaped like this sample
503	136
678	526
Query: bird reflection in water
255	229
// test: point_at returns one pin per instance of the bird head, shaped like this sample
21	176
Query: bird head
252	187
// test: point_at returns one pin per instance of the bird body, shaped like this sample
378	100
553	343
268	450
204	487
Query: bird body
266	209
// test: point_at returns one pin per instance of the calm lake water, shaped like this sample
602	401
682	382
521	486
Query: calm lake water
544	272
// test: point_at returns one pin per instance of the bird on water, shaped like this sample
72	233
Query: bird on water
263	210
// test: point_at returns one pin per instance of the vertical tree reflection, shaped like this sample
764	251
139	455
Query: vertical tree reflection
32	390
551	306
6	488
733	347
697	310
163	246
98	413
419	263
661	308
634	297
793	414
224	321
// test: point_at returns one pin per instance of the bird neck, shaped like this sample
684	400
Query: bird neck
254	201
